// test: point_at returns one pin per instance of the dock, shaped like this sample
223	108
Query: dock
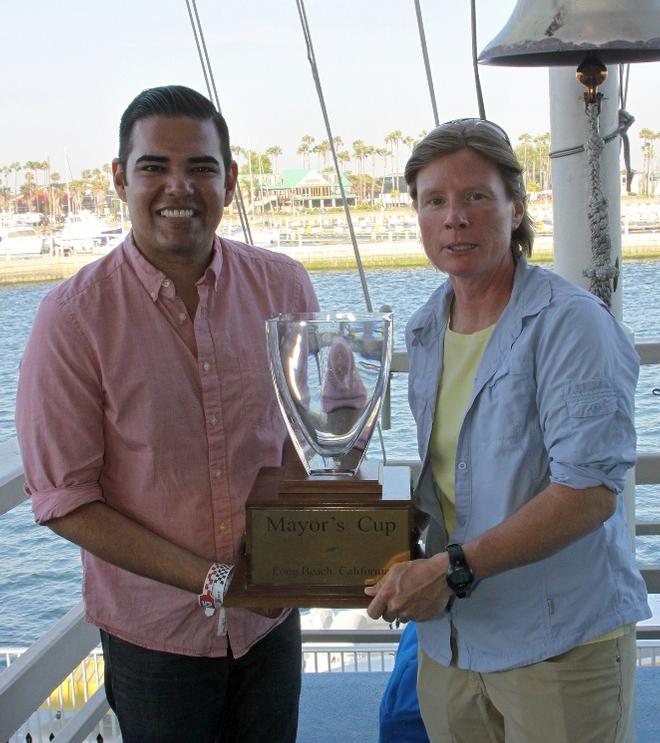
313	254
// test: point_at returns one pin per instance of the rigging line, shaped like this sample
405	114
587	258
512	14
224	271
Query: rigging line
205	62
319	90
317	82
427	66
206	56
199	49
475	64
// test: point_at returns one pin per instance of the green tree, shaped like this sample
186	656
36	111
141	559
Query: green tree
522	153
359	153
273	153
393	139
323	148
648	138
305	148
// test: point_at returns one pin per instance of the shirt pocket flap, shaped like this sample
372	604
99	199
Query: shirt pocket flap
592	398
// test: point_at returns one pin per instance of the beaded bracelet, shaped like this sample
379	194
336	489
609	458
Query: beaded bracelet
216	584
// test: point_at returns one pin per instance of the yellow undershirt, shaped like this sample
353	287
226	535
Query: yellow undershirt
461	357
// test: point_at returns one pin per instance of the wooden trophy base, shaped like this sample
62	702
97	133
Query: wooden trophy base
317	542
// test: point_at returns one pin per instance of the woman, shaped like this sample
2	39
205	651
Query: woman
521	386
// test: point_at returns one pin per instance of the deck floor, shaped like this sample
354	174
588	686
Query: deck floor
344	707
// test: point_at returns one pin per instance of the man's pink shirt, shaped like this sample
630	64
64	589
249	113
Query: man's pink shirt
123	399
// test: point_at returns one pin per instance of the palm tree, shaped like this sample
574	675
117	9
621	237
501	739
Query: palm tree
359	152
522	151
28	189
393	139
304	151
57	190
16	168
322	148
383	152
99	183
542	143
274	152
305	148
648	138
371	151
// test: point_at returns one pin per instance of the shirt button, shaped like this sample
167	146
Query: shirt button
206	366
166	283
221	526
182	316
462	465
218	473
212	420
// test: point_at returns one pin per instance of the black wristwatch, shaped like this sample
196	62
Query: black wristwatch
459	574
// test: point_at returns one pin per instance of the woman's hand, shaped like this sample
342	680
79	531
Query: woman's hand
411	590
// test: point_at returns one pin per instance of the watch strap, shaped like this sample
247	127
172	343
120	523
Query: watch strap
458	564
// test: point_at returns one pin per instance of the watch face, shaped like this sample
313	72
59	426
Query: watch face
460	577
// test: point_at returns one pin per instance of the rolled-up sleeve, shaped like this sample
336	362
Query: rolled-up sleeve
59	415
587	372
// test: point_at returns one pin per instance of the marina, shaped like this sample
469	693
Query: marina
335	642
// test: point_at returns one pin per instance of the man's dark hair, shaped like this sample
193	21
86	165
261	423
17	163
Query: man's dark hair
171	100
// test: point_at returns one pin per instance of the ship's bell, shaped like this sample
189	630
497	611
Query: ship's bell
544	33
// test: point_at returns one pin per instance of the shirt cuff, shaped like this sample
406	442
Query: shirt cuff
582	477
52	504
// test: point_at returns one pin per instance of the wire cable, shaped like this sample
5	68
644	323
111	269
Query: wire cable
475	64
207	71
427	66
319	90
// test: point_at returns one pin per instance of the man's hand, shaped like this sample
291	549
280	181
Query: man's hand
411	590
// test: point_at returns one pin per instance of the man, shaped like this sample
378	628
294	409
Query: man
145	410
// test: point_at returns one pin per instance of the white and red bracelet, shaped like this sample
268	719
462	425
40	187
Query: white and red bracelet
216	584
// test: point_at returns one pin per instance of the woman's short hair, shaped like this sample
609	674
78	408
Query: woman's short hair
491	142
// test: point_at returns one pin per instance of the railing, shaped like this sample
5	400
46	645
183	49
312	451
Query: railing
31	678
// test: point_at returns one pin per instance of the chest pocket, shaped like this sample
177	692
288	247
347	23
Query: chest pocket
507	407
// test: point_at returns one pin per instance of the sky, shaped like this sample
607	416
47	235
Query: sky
70	68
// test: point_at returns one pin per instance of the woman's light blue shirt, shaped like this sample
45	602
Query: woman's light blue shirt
553	401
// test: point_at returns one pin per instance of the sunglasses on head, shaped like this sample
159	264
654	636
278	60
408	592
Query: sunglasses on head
473	123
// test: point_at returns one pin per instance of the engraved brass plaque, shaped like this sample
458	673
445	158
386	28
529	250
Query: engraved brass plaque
318	542
325	545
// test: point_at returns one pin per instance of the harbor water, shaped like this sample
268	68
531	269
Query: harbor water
40	574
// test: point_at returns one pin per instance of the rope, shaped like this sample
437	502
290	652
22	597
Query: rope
475	65
205	62
427	66
317	82
626	120
601	274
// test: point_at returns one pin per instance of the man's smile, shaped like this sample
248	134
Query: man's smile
170	213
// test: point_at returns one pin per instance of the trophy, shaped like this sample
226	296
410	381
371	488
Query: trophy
327	522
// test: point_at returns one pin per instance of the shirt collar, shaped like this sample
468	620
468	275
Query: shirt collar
152	278
530	294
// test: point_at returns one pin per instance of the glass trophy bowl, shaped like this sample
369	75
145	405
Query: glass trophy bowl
330	371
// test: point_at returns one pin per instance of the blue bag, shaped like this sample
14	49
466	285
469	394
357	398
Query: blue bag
400	720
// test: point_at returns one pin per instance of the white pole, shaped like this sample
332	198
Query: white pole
568	124
572	248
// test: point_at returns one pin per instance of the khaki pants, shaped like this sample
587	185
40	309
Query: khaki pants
582	696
